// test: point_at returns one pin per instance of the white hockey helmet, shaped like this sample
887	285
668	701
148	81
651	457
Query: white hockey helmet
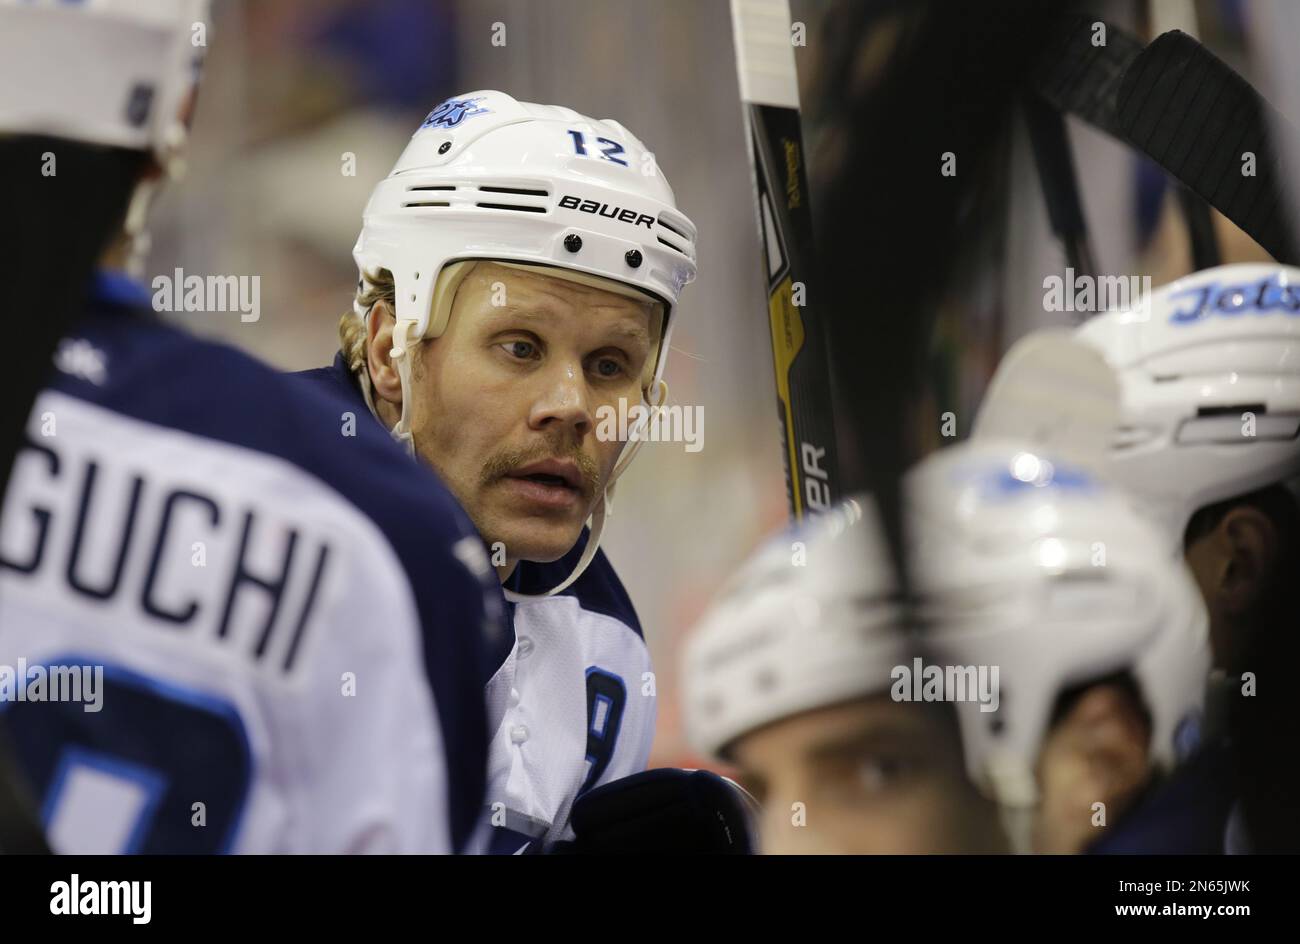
107	72
486	177
1209	349
1039	568
811	620
1055	393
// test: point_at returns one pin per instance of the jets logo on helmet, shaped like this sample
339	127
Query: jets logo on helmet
453	111
1270	295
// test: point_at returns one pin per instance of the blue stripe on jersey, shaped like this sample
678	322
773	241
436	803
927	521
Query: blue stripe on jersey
161	375
119	290
598	589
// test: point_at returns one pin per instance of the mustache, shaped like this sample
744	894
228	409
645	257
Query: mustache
502	463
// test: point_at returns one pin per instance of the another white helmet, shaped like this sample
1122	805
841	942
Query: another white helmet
487	177
1209	349
108	72
1039	568
1055	393
812	619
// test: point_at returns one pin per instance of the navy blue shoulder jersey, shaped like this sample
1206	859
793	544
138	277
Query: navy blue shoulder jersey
276	623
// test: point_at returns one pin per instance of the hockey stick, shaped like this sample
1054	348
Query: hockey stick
1055	163
770	95
1167	15
1186	109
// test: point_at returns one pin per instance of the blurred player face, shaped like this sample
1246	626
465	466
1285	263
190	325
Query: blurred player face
1096	753
869	776
507	402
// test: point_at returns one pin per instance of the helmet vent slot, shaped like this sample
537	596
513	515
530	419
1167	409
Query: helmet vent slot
512	206
519	190
672	229
1234	409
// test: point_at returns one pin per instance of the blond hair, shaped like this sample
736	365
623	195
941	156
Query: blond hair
377	286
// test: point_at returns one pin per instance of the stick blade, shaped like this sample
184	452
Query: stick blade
1199	119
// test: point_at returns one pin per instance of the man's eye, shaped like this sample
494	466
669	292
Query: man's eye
608	367
520	349
882	771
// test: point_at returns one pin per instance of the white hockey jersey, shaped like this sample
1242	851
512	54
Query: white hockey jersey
232	618
572	705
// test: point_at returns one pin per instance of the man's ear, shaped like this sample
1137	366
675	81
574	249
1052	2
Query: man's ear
379	358
1249	540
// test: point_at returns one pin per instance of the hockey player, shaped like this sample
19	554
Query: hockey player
789	679
186	664
1033	570
1210	378
519	273
1037	567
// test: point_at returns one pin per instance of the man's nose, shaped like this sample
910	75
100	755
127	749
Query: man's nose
563	400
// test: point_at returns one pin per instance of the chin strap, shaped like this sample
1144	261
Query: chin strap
1018	825
135	226
1015	790
604	508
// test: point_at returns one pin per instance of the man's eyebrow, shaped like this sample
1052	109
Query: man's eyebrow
631	331
867	738
625	327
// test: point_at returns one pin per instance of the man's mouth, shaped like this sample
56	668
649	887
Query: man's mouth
558	472
555	483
